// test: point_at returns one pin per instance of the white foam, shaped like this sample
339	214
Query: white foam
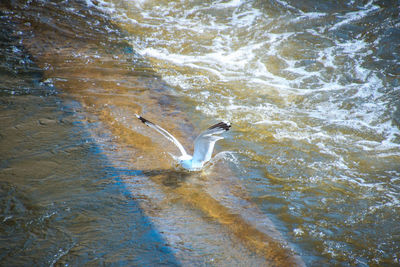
355	15
309	16
288	6
104	6
218	54
230	4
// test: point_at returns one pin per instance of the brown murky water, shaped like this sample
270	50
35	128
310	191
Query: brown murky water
83	182
310	174
60	197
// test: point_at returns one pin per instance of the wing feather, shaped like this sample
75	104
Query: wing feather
164	133
204	143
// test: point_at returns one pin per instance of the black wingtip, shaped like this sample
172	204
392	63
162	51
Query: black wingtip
141	119
223	125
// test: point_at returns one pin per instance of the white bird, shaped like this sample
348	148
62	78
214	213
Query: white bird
203	144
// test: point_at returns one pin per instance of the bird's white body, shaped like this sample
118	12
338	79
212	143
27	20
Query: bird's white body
203	144
188	164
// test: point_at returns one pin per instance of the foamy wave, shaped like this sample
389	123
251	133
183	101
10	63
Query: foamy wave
356	15
240	64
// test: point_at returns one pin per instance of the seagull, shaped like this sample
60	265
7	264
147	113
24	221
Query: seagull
203	144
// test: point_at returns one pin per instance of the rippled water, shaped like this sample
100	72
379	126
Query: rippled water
61	201
311	164
312	89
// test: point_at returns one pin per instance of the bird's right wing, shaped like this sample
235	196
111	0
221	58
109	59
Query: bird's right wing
204	143
164	133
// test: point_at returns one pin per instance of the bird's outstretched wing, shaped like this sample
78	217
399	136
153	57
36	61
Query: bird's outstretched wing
204	143
164	133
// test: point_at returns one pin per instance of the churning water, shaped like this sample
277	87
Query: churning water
312	163
312	89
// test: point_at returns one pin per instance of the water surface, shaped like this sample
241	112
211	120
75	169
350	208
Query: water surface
312	90
62	201
310	172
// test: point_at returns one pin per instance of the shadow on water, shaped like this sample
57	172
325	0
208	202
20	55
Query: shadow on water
189	189
61	202
172	179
